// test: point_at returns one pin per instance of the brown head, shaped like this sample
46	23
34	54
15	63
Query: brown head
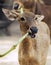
26	20
20	14
24	17
28	4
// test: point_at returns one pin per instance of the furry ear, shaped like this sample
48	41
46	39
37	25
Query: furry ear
39	17
8	14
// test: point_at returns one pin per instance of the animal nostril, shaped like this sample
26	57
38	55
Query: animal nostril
22	19
16	6
34	30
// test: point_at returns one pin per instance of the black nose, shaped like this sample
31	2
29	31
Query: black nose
16	6
34	30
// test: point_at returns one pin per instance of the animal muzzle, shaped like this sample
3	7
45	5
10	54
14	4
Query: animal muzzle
33	31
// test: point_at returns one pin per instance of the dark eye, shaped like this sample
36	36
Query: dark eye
16	6
35	18
22	19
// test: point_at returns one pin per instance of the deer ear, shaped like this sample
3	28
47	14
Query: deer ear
39	17
8	14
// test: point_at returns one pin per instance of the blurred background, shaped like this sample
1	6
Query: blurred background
10	33
11	28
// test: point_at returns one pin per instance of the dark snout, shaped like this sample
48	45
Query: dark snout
34	31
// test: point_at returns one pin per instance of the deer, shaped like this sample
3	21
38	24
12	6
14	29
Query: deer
33	49
37	7
41	7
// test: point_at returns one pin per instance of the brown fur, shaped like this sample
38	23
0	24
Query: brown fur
38	7
27	4
33	51
44	10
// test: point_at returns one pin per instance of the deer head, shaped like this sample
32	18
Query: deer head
24	17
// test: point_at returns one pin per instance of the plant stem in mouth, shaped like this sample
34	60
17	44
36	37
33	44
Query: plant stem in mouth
14	46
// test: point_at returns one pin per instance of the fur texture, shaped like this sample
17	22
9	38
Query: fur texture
33	51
